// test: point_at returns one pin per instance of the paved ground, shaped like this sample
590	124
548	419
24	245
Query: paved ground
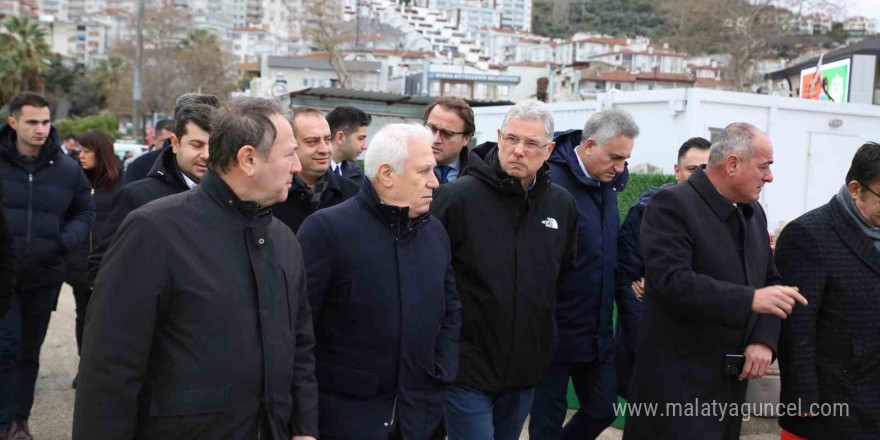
53	406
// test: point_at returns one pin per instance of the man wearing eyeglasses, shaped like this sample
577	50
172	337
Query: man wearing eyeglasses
513	237
451	120
591	165
829	351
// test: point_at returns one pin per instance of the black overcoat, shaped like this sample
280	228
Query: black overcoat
199	326
704	258
829	351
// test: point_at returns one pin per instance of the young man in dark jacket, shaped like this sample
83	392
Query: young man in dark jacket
211	337
513	236
591	165
50	212
316	187
630	274
348	136
178	168
379	274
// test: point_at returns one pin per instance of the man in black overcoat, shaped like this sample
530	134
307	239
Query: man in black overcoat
199	326
712	291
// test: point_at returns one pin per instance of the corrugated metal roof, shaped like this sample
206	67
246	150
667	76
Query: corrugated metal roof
868	46
388	98
321	64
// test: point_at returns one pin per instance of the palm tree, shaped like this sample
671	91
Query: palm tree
25	39
106	77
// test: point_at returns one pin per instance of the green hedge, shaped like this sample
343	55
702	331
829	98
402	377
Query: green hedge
638	183
80	125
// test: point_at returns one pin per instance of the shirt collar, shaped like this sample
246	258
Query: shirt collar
189	182
581	163
334	164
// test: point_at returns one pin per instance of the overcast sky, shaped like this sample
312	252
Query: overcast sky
868	8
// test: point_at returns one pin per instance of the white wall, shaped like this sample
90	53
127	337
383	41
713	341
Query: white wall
811	157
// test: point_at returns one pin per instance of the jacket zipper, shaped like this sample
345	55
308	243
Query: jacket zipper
390	423
30	214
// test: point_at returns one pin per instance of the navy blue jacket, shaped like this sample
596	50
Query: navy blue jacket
387	318
141	166
585	299
50	210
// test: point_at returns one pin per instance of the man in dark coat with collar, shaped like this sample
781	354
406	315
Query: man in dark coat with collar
712	291
513	235
382	290
451	120
348	130
829	351
178	168
211	337
316	187
591	165
50	212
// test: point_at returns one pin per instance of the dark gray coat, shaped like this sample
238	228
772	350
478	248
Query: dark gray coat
700	279
829	351
199	326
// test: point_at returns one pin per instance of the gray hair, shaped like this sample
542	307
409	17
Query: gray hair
534	110
391	146
240	122
607	124
737	138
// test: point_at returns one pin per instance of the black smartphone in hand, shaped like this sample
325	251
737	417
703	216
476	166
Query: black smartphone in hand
733	364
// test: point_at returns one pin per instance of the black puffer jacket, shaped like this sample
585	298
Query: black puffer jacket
50	209
164	179
509	248
7	258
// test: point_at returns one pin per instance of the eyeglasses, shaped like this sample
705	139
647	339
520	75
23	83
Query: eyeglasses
444	133
531	146
864	185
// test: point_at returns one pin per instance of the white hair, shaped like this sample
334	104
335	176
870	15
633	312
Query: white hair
531	109
607	124
737	138
391	146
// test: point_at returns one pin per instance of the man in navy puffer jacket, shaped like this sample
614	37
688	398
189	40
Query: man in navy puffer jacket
50	212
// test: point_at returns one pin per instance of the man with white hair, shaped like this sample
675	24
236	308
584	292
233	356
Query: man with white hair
513	235
591	165
713	301
382	291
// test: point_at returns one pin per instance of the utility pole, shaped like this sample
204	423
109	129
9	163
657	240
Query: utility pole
136	131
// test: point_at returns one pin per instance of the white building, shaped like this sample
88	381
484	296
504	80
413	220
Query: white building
316	71
813	142
250	44
56	8
859	26
19	8
505	45
650	60
814	24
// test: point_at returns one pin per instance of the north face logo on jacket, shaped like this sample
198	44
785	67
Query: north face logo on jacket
550	222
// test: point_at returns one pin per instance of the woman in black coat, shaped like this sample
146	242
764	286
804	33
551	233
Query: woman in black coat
102	168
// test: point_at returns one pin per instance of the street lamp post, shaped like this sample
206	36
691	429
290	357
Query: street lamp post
136	106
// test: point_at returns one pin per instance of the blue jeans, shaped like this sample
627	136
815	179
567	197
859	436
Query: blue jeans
596	386
22	332
474	415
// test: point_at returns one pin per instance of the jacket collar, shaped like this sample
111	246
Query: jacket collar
165	168
300	185
722	207
396	218
8	140
220	192
483	164
564	154
853	236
